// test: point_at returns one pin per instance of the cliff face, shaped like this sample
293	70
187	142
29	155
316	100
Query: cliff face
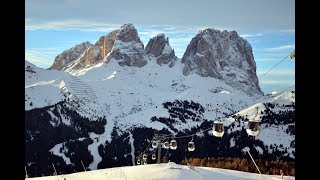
128	49
123	45
222	55
160	48
70	55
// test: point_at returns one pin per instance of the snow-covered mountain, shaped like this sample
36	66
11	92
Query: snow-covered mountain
105	110
160	48
70	55
123	45
222	55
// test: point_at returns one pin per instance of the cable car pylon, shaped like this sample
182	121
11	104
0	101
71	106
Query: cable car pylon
293	54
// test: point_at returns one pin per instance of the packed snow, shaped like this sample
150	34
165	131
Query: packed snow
164	171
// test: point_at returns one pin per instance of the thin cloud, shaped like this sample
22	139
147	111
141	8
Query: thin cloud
288	31
280	48
282	72
276	82
47	50
244	15
251	35
266	59
149	34
83	25
38	58
100	26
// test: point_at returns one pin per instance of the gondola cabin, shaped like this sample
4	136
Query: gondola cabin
191	146
154	144
253	127
173	144
218	129
166	145
144	157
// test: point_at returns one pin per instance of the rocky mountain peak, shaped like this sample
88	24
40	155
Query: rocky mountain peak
128	33
123	45
69	55
222	55
213	53
128	49
160	48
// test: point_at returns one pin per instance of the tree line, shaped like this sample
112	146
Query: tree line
245	164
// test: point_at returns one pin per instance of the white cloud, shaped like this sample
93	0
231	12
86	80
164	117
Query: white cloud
89	25
276	82
266	59
38	58
280	48
288	31
244	15
83	25
250	35
282	72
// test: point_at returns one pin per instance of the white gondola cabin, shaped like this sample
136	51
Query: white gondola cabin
154	144
253	127
153	156
166	145
138	162
144	157
218	129
173	144
191	146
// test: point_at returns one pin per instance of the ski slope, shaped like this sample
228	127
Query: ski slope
164	171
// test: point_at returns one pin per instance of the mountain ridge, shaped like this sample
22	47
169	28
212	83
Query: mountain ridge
211	53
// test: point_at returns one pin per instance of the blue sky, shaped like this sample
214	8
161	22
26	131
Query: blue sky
268	25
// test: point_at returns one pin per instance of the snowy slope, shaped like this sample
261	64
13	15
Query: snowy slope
169	170
129	91
47	87
130	96
42	86
275	130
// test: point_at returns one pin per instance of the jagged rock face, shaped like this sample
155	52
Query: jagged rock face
160	48
128	33
122	44
128	48
68	56
225	56
99	51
